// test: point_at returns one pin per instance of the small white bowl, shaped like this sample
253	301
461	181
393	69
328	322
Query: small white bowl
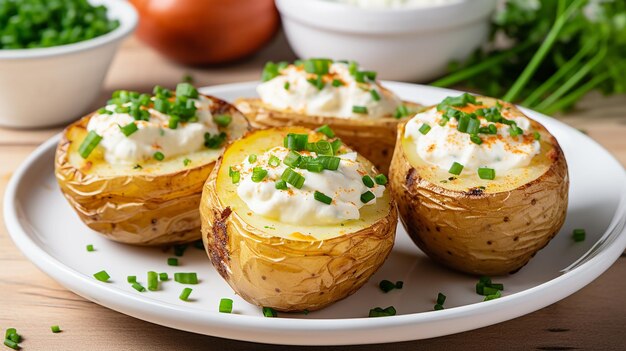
409	44
50	86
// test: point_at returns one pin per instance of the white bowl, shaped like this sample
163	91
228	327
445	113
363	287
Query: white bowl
408	44
55	85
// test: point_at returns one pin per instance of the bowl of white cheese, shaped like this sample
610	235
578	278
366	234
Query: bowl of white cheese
406	40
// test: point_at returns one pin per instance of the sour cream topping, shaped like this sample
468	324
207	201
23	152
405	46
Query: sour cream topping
298	206
292	90
151	136
444	145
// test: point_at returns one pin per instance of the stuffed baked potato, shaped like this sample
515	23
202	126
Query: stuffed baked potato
317	92
141	182
291	256
483	198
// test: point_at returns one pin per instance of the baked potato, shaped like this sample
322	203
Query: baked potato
357	129
149	202
489	223
289	265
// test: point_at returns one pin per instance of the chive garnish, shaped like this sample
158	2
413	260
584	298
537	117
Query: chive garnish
326	130
55	329
314	166
138	287
226	306
258	174
222	120
102	276
164	277
424	129
578	235
472	126
330	163
375	95
337	83
269	312
438	307
186	162
359	109
273	161
441	298
380	312
380	179
172	261
184	295
323	147
456	168
90	248
252	158
321	197
286	86
476	139
292	177
368	181
486	173
280	185
292	159
186	278
131	279
12	344
536	136
296	142
129	129
367	197
91	141
159	156
386	286
153	281
186	90
336	144
401	111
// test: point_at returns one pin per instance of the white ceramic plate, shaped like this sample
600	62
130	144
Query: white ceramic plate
50	234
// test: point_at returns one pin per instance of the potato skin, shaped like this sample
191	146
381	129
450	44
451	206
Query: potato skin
140	209
374	139
478	232
290	275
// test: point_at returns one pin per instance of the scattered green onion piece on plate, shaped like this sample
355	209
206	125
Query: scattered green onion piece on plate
578	235
386	286
131	279
138	287
102	276
269	312
184	295
441	298
55	329
226	305
153	281
164	277
90	248
172	261
186	278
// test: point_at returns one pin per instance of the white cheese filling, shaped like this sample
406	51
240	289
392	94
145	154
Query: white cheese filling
299	206
444	145
292	90
151	136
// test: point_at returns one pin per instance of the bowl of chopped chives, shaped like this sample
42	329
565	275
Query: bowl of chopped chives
54	56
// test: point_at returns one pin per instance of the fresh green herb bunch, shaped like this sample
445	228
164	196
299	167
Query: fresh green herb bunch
44	23
560	51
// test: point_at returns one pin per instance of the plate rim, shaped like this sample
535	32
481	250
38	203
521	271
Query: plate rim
342	331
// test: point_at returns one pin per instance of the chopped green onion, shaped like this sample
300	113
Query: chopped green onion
375	95
321	197
486	173
443	121
368	181
296	142
318	66
186	278
12	344
379	312
488	290
273	161
336	144
292	159
272	70
386	286
438	307
159	156
161	105
456	168
269	312
226	305
179	250
337	83
456	101
472	126
314	166
184	295
476	139
129	129
371	75
330	163
90	248
493	296
325	129
138	287
323	147
424	129
252	158
186	90
153	281
104	111
186	162
380	179
496	286
55	329
131	279
91	141
463	123
485	280
163	277
441	298
401	111
367	197
11	334
222	120
258	174
399	284
292	177
286	86
172	123
214	141
280	185
172	261
579	235
359	109
102	276
159	91
536	136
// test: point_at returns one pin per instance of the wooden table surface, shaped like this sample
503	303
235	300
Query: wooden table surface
593	318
